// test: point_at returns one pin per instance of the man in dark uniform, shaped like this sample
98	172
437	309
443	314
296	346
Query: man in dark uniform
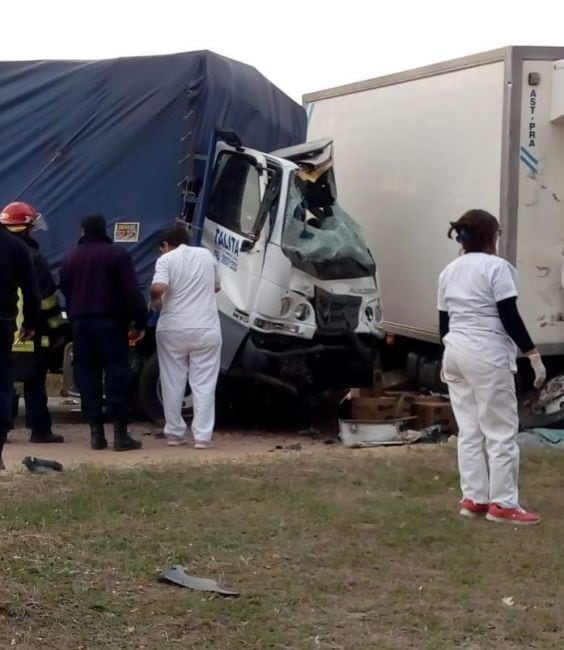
31	358
16	275
106	308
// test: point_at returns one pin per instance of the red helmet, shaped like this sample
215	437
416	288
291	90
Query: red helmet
18	214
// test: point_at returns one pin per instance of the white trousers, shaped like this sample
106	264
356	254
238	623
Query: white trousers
193	354
485	406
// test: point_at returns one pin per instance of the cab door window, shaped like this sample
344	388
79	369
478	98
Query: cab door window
235	197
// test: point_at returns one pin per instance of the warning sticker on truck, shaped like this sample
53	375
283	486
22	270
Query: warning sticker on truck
126	232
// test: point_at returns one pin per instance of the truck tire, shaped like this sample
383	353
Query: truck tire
150	395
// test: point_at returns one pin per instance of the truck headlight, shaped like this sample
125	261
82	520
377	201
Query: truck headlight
273	326
302	311
373	312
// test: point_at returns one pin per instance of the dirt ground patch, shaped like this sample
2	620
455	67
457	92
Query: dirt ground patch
229	445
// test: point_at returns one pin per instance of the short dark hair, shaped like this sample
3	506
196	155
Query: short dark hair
475	230
94	224
174	236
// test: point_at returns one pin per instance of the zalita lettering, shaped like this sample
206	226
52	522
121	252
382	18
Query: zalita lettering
226	241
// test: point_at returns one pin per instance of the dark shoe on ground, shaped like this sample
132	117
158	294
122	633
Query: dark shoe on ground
515	516
122	440
472	510
3	441
97	437
45	438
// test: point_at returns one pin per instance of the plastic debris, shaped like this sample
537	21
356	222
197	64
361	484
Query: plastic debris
41	466
177	575
508	600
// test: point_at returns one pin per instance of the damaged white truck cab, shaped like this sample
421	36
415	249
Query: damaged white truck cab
299	302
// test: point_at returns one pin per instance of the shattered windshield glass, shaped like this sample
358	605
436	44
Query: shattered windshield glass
319	237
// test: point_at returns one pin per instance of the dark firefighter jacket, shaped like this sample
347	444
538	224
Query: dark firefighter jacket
16	274
50	319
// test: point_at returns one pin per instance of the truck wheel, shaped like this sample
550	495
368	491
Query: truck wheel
150	392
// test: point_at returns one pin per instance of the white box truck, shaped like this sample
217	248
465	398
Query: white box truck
419	148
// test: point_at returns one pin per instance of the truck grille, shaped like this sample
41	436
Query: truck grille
335	314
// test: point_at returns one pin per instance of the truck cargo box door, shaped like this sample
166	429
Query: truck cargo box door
233	228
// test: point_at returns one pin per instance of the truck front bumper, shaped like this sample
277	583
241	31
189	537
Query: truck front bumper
324	363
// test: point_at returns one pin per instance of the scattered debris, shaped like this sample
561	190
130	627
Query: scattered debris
437	433
508	600
294	447
545	438
310	431
41	466
177	575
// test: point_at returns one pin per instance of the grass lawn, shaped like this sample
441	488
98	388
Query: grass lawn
344	549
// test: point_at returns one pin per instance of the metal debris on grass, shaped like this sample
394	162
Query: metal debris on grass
177	575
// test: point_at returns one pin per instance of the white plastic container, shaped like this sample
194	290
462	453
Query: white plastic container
366	433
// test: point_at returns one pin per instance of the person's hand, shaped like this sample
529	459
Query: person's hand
538	368
155	305
135	336
26	335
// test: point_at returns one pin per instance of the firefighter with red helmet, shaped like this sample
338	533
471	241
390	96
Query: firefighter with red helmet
31	358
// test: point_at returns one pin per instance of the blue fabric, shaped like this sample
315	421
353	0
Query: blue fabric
112	137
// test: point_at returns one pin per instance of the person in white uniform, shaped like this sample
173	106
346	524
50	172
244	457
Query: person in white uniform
482	331
188	334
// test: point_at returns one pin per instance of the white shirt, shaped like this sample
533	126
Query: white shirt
189	302
469	289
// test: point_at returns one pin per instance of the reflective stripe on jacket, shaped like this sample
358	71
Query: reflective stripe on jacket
25	346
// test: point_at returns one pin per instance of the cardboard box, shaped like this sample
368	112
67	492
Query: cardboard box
380	408
431	411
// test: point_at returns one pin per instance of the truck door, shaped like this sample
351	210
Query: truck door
234	230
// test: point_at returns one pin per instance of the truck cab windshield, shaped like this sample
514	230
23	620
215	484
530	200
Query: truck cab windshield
319	237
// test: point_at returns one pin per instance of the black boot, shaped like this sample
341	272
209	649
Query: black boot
97	437
3	440
45	438
122	440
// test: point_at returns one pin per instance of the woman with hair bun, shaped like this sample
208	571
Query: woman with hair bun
482	332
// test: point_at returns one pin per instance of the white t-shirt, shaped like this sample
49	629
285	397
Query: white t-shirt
191	276
469	289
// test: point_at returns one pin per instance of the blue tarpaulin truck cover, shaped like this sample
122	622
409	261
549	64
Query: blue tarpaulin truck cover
115	137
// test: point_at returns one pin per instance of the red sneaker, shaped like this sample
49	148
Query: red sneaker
516	516
472	509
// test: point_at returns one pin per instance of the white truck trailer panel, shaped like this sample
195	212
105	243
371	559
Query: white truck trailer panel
418	149
540	227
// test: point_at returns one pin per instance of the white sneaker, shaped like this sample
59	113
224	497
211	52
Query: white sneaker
202	444
176	441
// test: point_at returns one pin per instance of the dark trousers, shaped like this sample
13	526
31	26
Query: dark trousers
101	361
6	377
37	417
